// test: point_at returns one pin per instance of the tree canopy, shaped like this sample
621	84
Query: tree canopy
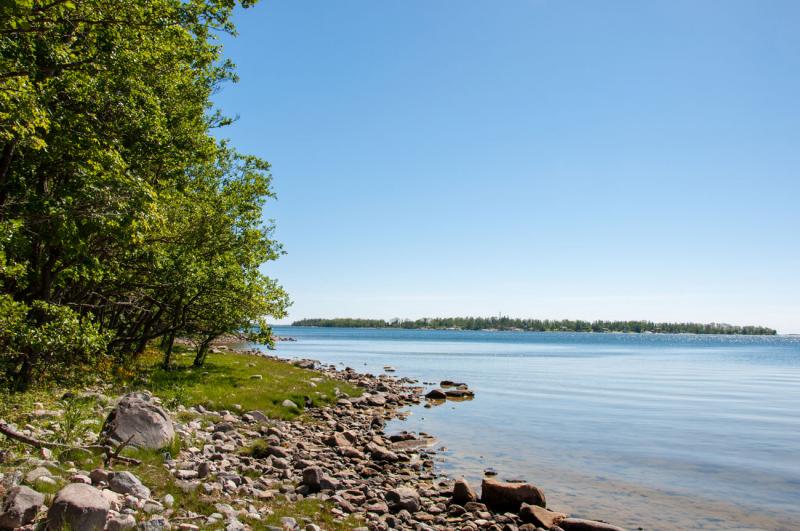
123	219
539	325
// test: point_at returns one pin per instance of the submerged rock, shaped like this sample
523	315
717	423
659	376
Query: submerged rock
579	524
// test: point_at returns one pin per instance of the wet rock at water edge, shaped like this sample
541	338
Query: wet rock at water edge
500	496
540	516
463	492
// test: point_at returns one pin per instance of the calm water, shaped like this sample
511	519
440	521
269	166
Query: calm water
652	431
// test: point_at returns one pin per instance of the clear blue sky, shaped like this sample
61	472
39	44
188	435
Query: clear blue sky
551	159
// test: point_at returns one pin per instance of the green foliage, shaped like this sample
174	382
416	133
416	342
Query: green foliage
539	325
122	218
230	379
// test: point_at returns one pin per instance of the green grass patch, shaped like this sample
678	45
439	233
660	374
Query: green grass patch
251	382
317	511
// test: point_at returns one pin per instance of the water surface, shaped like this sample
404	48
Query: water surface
652	431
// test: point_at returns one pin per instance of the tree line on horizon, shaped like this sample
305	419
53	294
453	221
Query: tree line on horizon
124	220
538	325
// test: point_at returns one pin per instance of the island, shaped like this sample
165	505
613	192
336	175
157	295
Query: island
540	325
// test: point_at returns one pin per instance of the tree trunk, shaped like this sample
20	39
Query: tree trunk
168	351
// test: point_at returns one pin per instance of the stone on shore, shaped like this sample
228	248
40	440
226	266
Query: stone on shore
20	507
508	497
80	507
533	514
403	498
463	493
137	415
579	524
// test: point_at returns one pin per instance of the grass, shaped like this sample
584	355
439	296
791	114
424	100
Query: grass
317	511
225	382
230	381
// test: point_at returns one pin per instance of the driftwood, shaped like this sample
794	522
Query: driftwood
111	454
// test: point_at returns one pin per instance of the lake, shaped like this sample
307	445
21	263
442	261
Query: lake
661	432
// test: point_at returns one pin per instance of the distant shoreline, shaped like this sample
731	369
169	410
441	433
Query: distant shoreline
506	324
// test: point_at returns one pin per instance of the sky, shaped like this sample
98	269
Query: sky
531	158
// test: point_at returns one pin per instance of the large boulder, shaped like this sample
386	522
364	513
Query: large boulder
20	507
508	497
139	416
579	524
463	493
403	498
533	514
78	507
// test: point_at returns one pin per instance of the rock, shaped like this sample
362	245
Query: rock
508	497
122	522
98	475
379	453
80	478
20	507
169	500
540	516
258	416
403	498
312	478
127	483
139	416
203	469
36	474
339	439
316	480
579	524
463	493
81	507
436	394
289	404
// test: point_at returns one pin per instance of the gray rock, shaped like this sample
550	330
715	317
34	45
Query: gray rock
258	416
36	474
403	498
122	522
289	404
20	507
139	416
81	507
127	483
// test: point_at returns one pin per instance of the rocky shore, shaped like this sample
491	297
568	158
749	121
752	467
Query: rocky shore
239	463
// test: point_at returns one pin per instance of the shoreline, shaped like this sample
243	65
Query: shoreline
333	467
